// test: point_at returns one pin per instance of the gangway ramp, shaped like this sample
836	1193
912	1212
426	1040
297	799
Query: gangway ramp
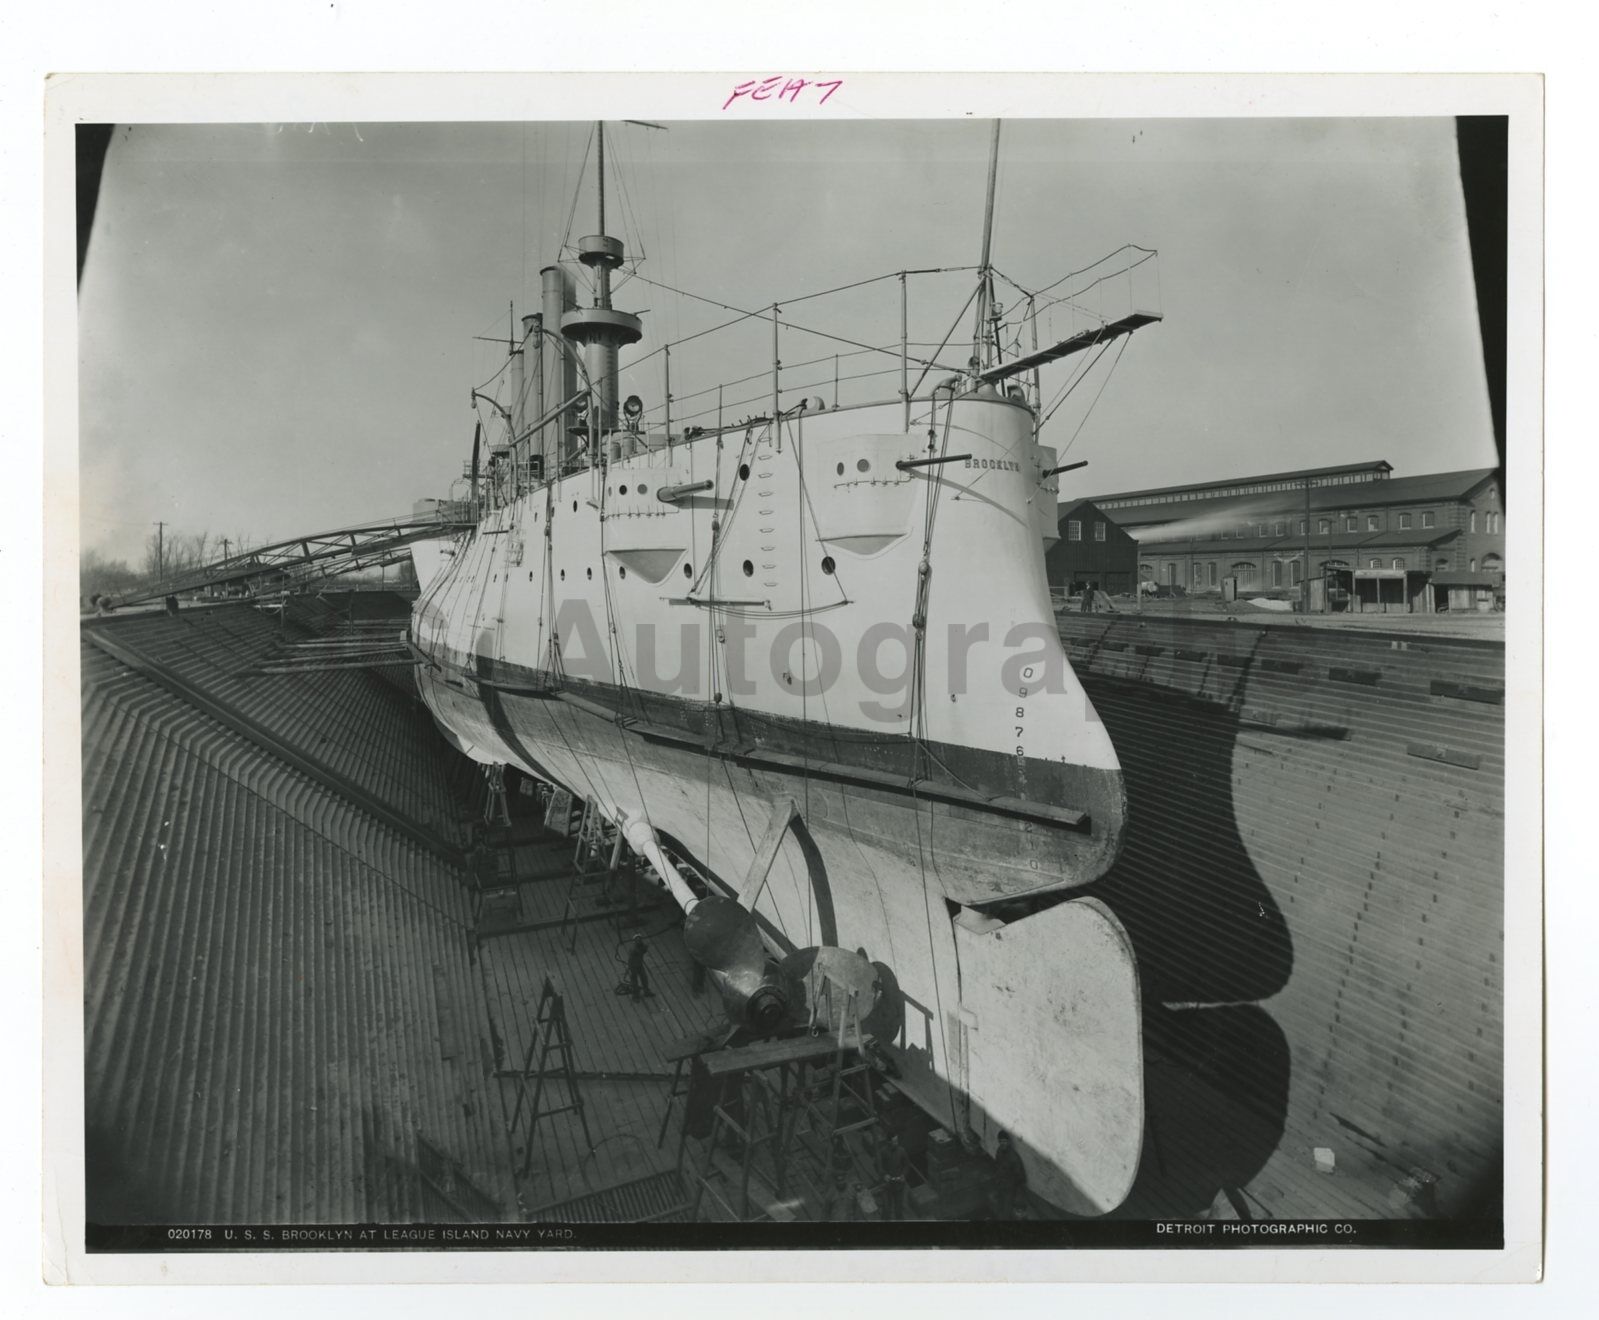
302	560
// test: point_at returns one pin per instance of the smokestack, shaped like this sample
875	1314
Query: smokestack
530	390
601	329
558	365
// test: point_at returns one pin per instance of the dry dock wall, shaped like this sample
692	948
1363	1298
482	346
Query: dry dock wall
1313	880
282	1011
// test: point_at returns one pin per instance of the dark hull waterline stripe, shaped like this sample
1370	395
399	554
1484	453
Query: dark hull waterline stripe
489	694
491	687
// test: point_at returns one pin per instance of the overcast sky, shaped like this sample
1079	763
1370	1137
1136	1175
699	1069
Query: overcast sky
278	321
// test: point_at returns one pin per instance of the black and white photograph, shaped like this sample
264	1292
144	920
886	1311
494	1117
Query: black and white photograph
755	677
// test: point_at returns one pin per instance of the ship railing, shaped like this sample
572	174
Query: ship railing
853	346
857	345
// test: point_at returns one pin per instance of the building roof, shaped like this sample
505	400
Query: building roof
1352	495
1342	469
1077	508
1395	539
1067	510
1351	542
1464	579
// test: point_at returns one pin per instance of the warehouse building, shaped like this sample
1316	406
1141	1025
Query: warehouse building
1092	548
1377	541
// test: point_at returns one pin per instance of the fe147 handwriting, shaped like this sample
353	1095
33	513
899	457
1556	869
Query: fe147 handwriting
778	87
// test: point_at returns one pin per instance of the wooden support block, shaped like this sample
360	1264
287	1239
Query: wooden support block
1365	677
1448	755
1468	692
784	814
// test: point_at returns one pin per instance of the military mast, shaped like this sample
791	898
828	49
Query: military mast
601	329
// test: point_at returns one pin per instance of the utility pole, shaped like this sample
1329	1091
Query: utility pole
225	544
1307	546
160	552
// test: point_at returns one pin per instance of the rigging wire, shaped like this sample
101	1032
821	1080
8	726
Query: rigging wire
1078	380
571	216
919	724
796	449
954	326
494	377
1114	364
1077	376
744	315
1073	274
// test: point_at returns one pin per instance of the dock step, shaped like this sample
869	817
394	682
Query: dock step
655	1199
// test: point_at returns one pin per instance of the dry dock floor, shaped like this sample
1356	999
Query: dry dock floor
617	1041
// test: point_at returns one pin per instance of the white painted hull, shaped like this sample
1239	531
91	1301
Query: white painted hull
1028	1023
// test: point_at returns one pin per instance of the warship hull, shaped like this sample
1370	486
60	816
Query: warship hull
701	634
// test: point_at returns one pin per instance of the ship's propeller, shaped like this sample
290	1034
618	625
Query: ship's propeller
829	977
723	938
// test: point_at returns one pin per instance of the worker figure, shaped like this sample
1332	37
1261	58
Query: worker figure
1087	607
840	1162
638	980
843	1202
896	1166
1010	1179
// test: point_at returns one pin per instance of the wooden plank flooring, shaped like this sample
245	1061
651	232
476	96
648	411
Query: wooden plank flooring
618	1043
611	1033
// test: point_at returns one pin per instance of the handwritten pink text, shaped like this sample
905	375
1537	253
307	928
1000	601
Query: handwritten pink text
779	87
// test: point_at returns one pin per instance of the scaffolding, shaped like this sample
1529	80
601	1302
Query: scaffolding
788	1116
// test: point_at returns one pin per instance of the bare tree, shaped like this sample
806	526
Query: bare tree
100	575
170	553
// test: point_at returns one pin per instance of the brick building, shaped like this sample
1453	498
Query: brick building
1362	524
1092	548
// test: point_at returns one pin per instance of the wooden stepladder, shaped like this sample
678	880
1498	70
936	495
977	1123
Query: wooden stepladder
496	810
594	861
836	1006
548	1058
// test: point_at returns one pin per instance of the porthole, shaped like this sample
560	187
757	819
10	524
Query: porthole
841	469
863	465
688	570
590	572
621	570
621	490
743	471
749	569
827	564
643	489
563	575
530	576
